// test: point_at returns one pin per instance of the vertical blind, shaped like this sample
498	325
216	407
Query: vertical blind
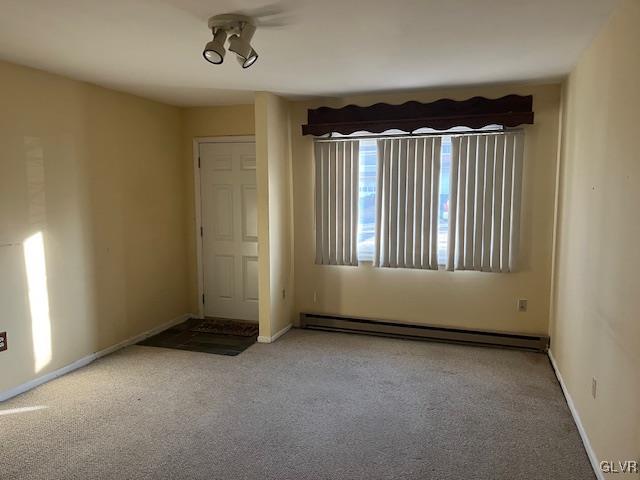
407	203
484	202
336	202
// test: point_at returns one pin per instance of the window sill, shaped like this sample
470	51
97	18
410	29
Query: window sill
370	263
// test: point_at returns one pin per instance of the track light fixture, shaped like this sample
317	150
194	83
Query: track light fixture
240	30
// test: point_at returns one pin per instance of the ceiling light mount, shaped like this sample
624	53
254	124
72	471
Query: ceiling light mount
239	30
230	22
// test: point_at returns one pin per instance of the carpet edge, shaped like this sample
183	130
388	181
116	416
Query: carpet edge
87	359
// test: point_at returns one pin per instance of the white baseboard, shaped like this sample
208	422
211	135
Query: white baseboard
273	338
12	392
595	464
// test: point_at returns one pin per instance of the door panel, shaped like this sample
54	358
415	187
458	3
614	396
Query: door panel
249	213
229	230
248	161
250	276
224	281
223	212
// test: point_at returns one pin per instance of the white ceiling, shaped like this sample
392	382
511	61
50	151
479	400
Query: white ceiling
153	48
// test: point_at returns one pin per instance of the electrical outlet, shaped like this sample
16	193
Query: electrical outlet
522	305
3	341
315	297
594	387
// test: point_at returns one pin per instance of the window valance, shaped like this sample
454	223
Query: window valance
476	112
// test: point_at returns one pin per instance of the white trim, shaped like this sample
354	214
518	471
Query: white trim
12	392
273	338
198	203
227	139
198	215
595	464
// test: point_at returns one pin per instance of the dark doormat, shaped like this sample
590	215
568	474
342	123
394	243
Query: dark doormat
220	326
212	335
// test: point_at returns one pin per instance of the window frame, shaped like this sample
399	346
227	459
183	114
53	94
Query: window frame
422	132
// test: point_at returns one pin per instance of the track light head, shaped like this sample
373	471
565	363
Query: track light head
250	60
241	45
214	50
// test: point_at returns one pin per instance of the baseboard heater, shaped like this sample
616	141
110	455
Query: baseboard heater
385	328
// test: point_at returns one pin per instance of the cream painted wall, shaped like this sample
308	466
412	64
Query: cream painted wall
460	299
275	228
596	318
229	120
98	175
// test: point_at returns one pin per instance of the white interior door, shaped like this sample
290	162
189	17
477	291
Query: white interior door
229	229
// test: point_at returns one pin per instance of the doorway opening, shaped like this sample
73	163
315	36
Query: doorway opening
227	235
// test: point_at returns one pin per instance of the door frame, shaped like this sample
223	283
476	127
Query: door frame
198	203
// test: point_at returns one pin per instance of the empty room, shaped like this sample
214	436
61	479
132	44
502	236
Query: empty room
295	239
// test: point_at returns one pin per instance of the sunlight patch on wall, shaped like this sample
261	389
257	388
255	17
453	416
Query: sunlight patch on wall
35	262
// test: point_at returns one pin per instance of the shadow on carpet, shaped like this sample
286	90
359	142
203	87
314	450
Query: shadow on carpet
211	335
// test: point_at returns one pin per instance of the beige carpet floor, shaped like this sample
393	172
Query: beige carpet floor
311	406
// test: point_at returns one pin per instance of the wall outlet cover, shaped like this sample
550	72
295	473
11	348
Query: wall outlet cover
3	341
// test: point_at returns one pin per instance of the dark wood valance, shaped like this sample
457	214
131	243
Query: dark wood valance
476	112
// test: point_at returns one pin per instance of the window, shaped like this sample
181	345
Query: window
367	185
443	207
367	199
